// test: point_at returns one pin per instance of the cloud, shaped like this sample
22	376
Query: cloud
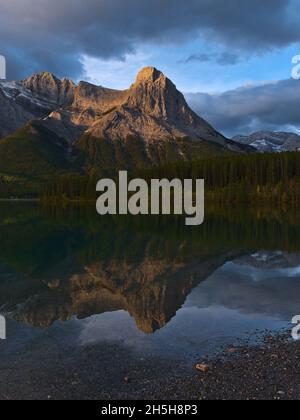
41	34
223	59
256	291
114	72
270	106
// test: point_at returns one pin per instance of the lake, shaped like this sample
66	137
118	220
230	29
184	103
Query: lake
76	287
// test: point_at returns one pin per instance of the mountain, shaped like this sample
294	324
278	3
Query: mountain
270	142
154	110
150	123
32	98
91	126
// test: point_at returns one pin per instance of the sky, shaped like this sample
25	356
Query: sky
232	59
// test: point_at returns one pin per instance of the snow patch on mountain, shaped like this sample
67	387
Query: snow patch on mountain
271	142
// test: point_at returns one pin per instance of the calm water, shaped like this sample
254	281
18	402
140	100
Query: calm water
153	286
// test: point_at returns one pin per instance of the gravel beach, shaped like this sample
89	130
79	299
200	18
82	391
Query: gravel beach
267	372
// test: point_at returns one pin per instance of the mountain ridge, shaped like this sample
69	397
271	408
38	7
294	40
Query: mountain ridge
148	124
271	141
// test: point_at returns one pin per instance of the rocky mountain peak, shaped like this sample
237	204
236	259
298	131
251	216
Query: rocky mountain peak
47	86
149	74
155	95
152	110
41	82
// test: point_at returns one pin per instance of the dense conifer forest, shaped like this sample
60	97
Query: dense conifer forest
232	178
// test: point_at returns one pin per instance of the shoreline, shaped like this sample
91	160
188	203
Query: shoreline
268	371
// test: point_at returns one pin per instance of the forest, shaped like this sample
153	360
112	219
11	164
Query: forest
232	178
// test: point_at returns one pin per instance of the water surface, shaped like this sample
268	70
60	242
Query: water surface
152	286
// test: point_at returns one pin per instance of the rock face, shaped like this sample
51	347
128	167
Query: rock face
271	142
153	109
148	123
50	89
30	99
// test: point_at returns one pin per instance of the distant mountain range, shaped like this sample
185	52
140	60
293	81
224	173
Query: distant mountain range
49	125
271	142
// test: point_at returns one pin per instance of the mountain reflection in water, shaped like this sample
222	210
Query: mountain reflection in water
57	264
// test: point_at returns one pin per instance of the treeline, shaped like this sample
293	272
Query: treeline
274	177
71	187
219	172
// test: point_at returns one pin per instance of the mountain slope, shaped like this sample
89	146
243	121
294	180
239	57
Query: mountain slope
32	151
133	153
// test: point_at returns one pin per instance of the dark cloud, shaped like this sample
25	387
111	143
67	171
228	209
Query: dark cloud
273	106
43	34
223	59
